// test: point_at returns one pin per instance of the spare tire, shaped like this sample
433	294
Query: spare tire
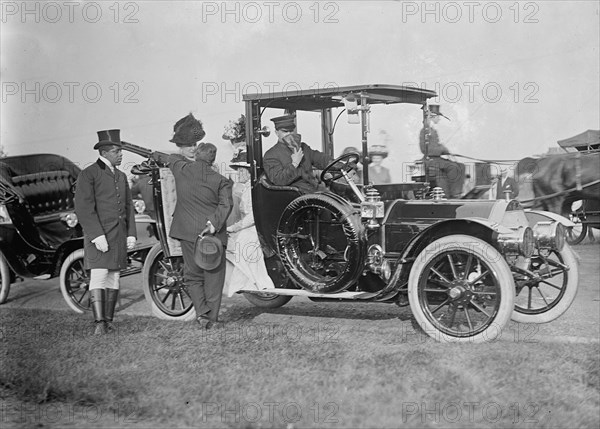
322	242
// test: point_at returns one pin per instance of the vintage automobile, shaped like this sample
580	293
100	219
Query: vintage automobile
465	267
39	233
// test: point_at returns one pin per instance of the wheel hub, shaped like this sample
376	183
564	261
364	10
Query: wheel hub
459	293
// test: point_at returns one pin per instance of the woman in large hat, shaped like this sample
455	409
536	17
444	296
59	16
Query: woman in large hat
243	245
187	132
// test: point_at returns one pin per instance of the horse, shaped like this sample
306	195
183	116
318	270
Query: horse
559	180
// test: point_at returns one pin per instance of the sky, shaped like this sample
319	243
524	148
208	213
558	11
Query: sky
512	77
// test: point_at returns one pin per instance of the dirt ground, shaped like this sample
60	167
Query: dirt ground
580	324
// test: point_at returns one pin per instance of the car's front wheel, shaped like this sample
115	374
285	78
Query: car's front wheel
164	288
461	290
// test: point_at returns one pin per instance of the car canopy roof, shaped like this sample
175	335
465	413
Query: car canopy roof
323	98
587	140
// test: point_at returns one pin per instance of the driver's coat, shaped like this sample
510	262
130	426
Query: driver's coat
281	172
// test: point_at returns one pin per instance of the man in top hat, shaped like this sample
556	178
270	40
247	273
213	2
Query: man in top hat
105	210
203	204
290	161
448	175
187	132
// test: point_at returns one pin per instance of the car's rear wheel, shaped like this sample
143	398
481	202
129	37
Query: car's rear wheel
461	290
4	279
164	288
549	288
75	282
267	300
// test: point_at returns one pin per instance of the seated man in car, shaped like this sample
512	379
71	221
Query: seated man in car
290	161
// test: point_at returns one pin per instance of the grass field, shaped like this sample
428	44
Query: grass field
321	373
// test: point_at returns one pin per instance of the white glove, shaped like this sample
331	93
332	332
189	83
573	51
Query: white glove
211	227
131	242
297	156
101	243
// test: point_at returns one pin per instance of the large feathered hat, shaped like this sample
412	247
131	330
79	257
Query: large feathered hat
235	131
187	131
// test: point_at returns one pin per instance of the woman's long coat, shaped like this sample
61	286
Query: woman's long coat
103	206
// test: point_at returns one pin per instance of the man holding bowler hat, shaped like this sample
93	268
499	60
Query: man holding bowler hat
203	204
105	210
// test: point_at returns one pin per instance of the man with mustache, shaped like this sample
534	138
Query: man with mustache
290	161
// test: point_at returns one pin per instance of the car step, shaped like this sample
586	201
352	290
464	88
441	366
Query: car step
308	294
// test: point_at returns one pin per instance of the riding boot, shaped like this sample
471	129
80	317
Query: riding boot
111	302
97	299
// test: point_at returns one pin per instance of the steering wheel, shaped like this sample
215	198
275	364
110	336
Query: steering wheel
335	172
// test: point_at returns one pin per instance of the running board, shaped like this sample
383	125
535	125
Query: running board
308	294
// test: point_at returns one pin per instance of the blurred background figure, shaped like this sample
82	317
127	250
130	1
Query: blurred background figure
357	174
442	172
378	174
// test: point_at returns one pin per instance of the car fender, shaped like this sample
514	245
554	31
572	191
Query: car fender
479	227
535	216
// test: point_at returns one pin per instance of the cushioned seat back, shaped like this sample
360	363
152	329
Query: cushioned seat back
46	192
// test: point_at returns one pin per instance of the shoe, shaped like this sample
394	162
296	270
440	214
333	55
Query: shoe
201	323
100	328
212	324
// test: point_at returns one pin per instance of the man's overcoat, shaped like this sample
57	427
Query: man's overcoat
281	172
103	206
202	195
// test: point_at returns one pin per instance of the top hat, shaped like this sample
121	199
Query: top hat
378	150
208	251
108	138
240	160
235	131
187	131
285	122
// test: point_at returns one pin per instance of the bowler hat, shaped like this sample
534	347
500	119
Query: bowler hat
208	251
187	131
108	138
285	122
